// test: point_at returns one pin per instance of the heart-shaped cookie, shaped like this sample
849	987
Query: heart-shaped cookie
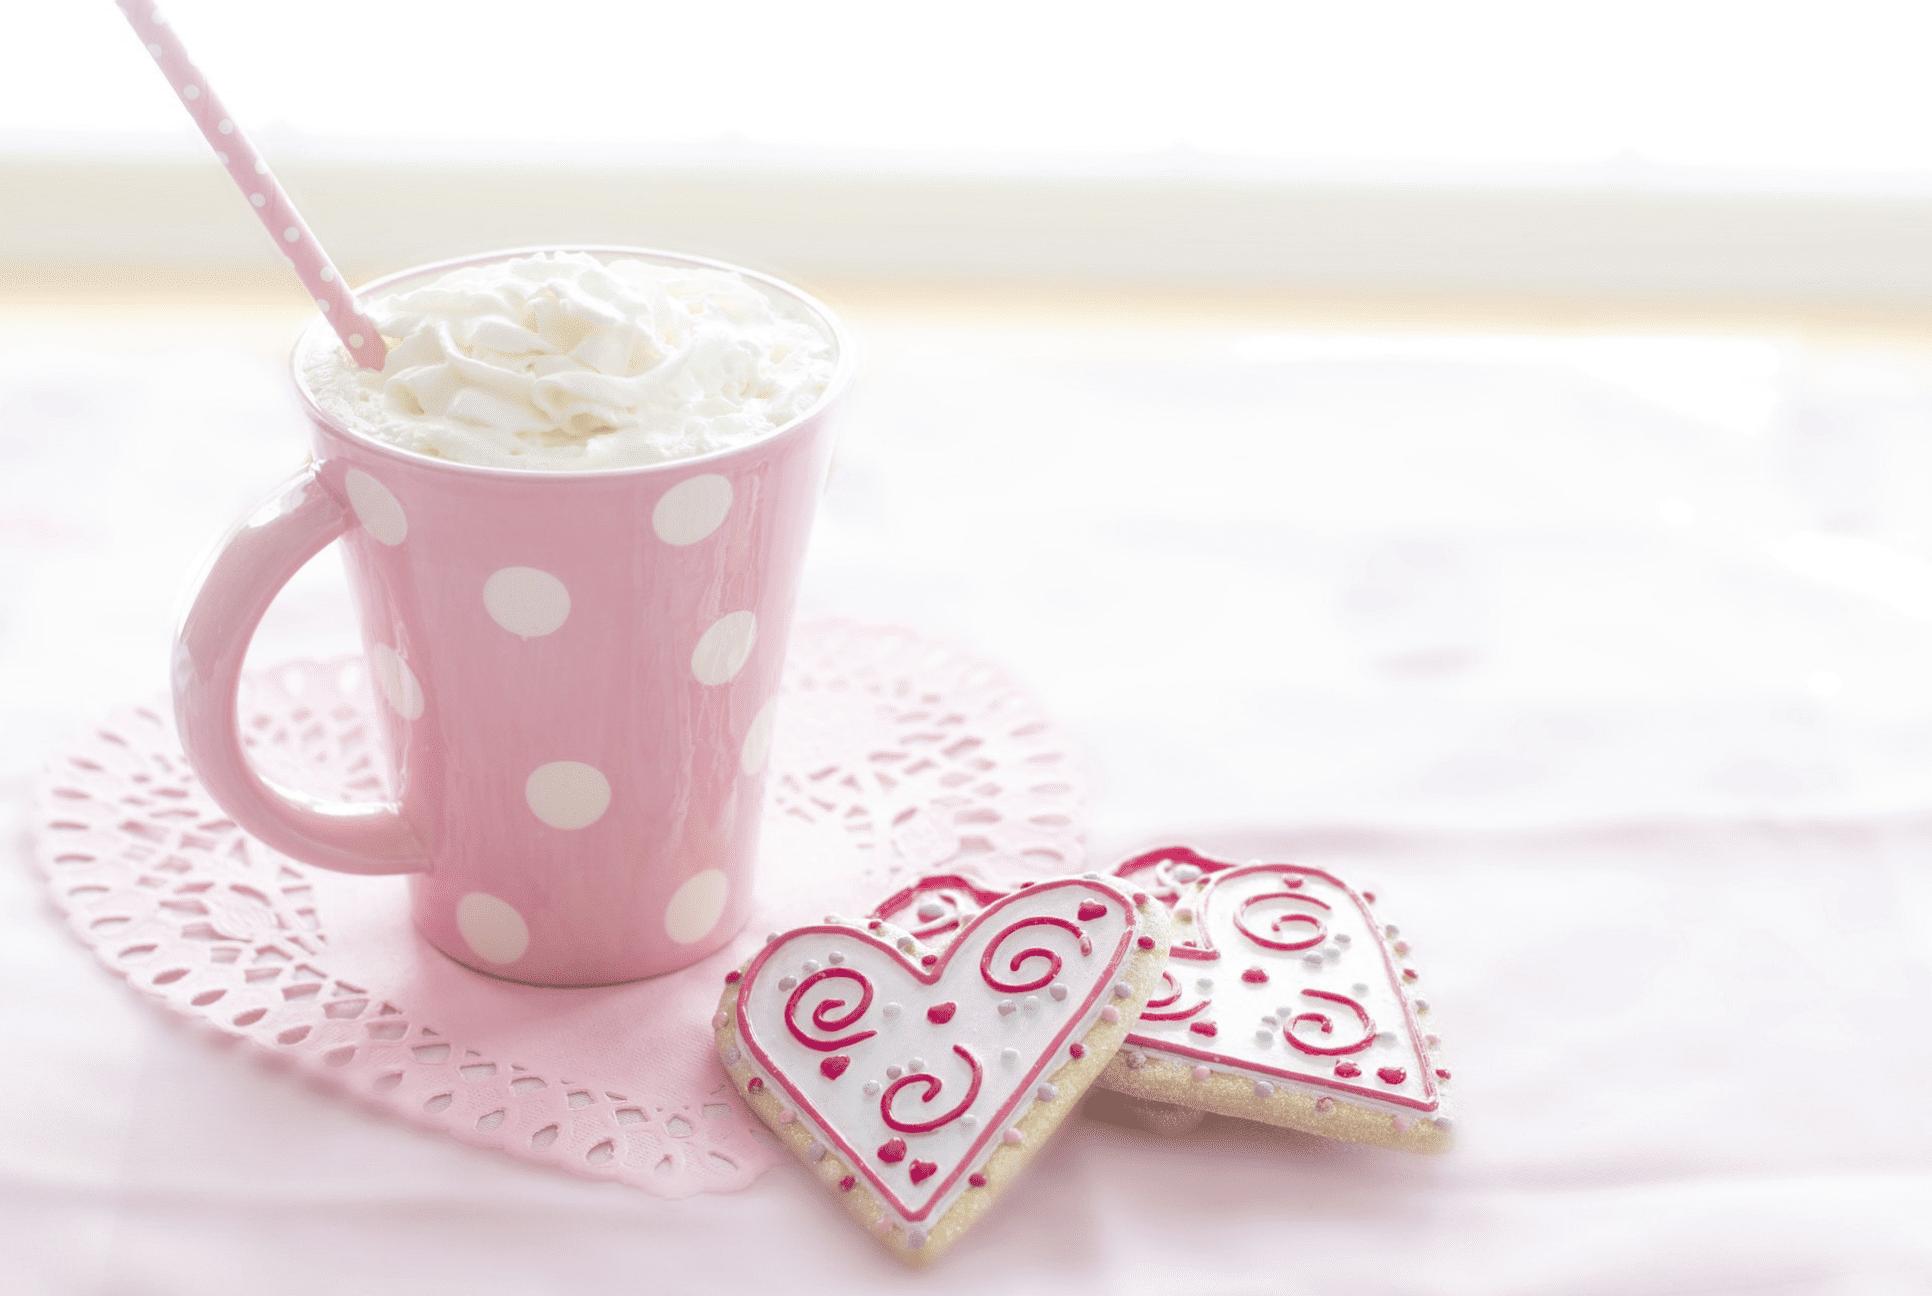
1284	1000
917	1082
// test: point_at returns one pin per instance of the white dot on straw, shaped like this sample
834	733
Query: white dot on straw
158	18
154	50
321	304
261	167
355	339
291	233
221	157
225	126
260	200
191	92
328	274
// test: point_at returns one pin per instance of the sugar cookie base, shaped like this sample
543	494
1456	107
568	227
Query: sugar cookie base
1141	969
1167	1079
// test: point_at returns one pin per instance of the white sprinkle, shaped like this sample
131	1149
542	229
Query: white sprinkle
1122	990
1032	1003
1391	931
1342	938
835	958
1091	877
1009	1055
1046	1092
1264	1037
731	1055
870	1087
894	1071
1422	1005
1385	1039
1271	1021
930	910
969	1121
892	1010
788	983
811	965
1360	987
770	937
916	1064
815	1151
1262	1088
1284	1013
834	919
1312	960
1008	1007
1443	1123
1058	990
1204	984
916	1238
1186	872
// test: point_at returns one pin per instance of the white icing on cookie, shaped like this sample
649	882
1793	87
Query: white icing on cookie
915	1101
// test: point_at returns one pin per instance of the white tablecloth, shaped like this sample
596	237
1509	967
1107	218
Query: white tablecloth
1608	660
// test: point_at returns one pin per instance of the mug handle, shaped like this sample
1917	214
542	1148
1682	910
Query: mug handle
248	570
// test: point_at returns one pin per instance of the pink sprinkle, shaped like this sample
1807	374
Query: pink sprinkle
787	1116
1202	1073
717	1021
1110	1014
1013	1136
1324	1104
1403	1124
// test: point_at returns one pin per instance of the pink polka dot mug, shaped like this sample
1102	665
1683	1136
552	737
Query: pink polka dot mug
576	675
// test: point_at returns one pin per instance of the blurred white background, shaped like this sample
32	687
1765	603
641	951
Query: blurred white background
1819	86
1703	150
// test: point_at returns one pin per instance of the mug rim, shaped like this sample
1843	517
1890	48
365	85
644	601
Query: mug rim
846	365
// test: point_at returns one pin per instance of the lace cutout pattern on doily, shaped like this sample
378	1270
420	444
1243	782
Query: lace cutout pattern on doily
893	755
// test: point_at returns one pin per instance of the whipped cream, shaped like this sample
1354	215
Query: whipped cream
562	361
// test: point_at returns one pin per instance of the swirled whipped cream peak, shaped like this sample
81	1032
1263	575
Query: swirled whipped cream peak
562	361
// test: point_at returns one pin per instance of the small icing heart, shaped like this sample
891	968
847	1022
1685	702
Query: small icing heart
1092	909
940	1014
1392	1075
892	1150
922	1170
834	1067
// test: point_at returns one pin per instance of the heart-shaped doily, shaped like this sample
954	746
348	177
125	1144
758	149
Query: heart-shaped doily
911	1068
894	755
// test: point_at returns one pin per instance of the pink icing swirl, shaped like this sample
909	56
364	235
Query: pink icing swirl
1163	1009
823	1013
1031	952
933	1084
1328	1027
1268	942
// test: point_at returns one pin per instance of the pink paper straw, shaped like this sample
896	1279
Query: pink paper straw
278	215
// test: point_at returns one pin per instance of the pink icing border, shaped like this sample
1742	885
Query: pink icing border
928	977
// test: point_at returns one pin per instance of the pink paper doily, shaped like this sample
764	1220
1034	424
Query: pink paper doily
893	755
